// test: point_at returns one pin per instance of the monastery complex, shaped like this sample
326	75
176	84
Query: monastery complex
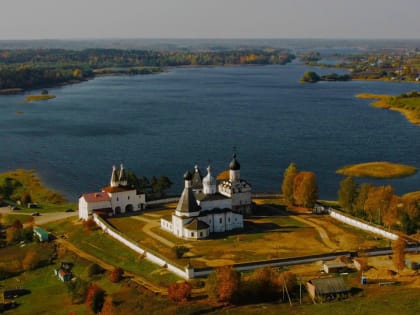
206	205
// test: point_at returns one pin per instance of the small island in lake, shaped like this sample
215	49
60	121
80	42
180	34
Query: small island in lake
313	77
407	104
39	97
378	170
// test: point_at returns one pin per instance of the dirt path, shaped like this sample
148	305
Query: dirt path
321	231
134	277
304	219
150	224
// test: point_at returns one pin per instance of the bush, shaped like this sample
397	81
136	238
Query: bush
77	290
90	225
95	298
94	269
116	275
180	251
180	292
32	260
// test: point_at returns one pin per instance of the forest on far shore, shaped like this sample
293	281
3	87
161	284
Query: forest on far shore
36	68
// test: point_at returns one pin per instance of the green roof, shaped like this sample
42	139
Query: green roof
43	234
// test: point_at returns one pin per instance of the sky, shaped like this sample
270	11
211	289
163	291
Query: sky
80	19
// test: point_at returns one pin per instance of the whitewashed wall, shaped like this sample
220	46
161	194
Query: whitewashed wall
362	225
147	255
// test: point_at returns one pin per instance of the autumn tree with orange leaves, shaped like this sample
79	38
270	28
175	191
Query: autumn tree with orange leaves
305	189
180	292
223	284
398	257
95	298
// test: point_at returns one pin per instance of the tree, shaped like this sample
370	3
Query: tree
223	284
305	189
310	77
116	275
25	198
347	194
360	200
94	269
288	180
31	260
78	290
398	258
95	298
265	284
378	201
180	250
108	308
180	292
161	185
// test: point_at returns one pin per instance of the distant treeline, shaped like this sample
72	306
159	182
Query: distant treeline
30	68
312	77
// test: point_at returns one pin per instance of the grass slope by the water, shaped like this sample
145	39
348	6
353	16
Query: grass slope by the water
407	104
378	170
40	97
28	182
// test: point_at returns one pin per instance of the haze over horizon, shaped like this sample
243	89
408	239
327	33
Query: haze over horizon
329	19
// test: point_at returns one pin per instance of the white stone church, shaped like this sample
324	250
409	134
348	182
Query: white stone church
207	206
116	198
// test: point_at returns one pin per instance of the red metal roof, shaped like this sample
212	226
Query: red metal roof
97	197
110	189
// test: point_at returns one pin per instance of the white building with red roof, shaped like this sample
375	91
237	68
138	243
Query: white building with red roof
116	198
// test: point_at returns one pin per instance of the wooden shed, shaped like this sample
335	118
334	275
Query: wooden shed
326	289
334	267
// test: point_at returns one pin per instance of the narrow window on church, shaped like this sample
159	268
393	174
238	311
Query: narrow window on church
128	197
192	234
201	234
117	198
228	219
221	220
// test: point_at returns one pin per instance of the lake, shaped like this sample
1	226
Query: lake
165	124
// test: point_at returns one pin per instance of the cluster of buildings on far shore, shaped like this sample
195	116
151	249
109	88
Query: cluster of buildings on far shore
207	205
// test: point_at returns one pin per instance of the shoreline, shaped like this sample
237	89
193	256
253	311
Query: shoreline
166	69
382	102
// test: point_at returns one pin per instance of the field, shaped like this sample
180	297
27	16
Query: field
110	251
270	234
27	181
378	170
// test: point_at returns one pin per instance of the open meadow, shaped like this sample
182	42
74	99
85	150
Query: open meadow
271	233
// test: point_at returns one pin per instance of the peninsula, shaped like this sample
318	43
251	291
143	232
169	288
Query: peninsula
407	104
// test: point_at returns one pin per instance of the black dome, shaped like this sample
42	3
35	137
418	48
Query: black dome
187	175
234	164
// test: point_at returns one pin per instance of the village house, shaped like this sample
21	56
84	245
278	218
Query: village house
326	289
116	198
207	207
41	234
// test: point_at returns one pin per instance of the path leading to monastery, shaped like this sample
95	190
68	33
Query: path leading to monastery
304	219
150	224
321	231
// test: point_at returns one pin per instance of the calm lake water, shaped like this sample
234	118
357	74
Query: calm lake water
164	124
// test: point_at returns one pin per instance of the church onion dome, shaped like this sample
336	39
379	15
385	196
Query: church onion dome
187	175
234	164
123	176
209	179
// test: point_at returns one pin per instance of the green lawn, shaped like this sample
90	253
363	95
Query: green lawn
111	251
373	300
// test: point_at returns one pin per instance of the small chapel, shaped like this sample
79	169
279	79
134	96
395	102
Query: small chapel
114	199
210	206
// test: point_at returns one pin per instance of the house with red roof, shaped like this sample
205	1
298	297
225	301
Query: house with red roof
114	199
